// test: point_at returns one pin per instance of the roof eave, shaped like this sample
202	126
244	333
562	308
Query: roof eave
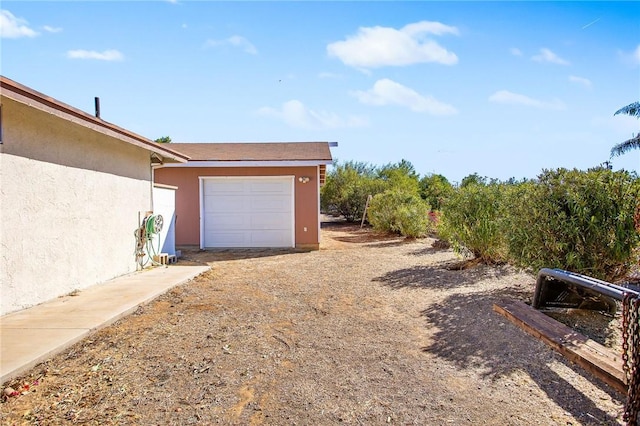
252	163
25	95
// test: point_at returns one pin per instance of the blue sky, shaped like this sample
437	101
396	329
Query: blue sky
502	89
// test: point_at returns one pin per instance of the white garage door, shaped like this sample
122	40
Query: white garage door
247	212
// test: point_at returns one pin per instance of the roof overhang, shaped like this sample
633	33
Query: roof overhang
249	163
27	96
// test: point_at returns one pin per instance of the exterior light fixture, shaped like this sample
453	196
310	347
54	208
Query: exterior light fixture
304	179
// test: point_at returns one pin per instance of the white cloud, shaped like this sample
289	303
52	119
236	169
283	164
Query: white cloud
13	27
389	92
510	98
235	41
580	80
636	54
630	58
546	55
107	55
49	29
429	27
515	51
295	114
374	47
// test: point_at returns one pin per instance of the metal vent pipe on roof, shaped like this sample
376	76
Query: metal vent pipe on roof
97	102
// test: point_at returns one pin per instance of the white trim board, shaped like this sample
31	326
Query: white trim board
254	163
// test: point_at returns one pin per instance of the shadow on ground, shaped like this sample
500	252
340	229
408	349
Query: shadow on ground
426	251
472	334
438	277
353	233
204	257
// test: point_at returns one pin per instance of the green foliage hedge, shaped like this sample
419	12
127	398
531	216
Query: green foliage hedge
349	185
580	221
575	220
435	190
400	211
347	188
471	220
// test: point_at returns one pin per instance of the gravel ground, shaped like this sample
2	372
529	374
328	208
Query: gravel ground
368	330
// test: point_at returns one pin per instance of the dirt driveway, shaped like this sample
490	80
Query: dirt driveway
369	330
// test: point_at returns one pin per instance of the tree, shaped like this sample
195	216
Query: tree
164	139
401	175
632	110
435	189
404	167
473	179
347	187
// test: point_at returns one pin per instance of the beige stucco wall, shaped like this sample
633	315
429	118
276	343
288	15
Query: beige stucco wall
70	199
188	199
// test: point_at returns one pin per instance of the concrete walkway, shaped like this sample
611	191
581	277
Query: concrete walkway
32	335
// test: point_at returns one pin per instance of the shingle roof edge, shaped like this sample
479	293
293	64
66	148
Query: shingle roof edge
6	84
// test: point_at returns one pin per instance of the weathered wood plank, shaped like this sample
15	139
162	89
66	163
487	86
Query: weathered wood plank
578	348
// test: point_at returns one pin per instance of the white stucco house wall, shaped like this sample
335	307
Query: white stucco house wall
73	188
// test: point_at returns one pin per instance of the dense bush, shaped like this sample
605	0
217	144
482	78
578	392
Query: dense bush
471	220
349	185
435	189
473	179
400	176
582	221
347	188
575	220
400	211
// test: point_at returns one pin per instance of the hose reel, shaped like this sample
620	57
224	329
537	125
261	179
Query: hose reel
151	225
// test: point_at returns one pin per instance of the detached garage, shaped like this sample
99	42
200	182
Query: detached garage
248	195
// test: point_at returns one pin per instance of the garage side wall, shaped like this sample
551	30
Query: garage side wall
188	202
65	227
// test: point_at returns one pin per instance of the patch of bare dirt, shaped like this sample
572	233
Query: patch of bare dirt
371	329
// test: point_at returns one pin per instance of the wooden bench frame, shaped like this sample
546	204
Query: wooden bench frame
579	349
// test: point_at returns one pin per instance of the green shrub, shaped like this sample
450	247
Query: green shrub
347	188
401	175
471	221
575	220
473	179
349	185
401	212
435	189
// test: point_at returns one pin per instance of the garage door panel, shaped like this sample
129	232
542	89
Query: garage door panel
270	187
226	203
248	212
269	222
267	239
223	222
228	239
224	187
281	204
